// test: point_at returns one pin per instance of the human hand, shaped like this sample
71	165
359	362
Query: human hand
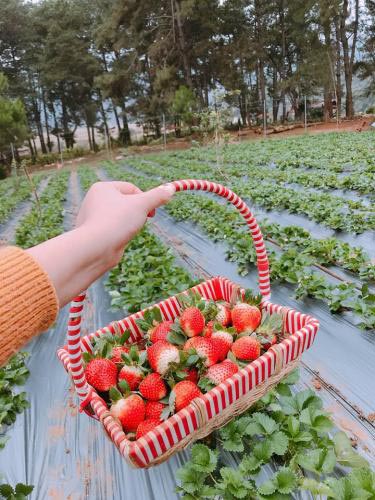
115	211
110	216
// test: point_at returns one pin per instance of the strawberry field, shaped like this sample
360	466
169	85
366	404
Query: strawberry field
313	436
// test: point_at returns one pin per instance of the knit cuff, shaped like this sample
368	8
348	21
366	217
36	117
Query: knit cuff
28	300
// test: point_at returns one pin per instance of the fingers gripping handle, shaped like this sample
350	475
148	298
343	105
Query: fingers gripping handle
84	391
224	192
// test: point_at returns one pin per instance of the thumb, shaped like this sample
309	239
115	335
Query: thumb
156	197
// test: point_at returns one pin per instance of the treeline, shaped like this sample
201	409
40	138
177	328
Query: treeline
77	62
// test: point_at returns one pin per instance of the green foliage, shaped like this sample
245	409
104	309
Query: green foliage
46	218
19	492
13	127
146	274
290	433
12	402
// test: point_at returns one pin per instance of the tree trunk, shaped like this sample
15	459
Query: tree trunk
283	54
32	152
94	146
104	118
349	55
49	143
56	128
125	132
182	42
89	136
39	127
338	68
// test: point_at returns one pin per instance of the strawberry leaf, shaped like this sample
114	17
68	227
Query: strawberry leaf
124	386
203	459
87	357
114	394
176	338
124	337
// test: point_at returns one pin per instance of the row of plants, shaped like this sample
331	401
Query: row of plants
362	181
45	220
293	265
12	403
334	152
334	212
286	432
87	177
325	251
13	191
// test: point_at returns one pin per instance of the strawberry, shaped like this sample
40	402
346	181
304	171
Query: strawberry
208	329
153	325
247	348
101	374
192	321
154	409
153	387
146	426
224	315
205	348
192	374
220	372
245	317
133	375
160	332
184	392
161	354
130	411
115	355
223	341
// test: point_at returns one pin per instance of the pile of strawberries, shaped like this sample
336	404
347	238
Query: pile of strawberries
178	361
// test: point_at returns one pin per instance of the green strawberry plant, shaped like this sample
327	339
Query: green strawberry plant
289	432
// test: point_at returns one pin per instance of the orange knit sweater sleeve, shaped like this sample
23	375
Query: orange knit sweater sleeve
28	301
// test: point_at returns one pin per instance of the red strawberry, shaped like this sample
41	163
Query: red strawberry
154	409
185	392
161	354
223	341
220	372
192	321
146	426
116	353
160	331
223	316
101	374
208	329
133	375
246	317
192	374
153	387
205	348
247	348
129	411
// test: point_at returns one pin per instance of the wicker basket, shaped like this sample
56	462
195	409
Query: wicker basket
221	404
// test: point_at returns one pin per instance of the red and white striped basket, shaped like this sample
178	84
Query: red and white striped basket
219	405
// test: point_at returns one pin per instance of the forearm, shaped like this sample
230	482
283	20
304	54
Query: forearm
73	261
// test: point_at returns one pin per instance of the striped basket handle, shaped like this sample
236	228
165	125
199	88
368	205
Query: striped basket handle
84	391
